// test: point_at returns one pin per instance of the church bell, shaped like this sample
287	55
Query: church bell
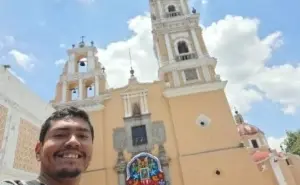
82	63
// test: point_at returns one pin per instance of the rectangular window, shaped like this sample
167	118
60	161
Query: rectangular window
139	135
190	74
254	143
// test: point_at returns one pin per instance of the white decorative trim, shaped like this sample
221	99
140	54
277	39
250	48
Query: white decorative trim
159	8
76	76
196	42
187	44
89	104
206	73
80	86
203	118
190	81
169	48
180	35
184	8
97	88
64	91
141	94
176	78
157	51
187	90
192	63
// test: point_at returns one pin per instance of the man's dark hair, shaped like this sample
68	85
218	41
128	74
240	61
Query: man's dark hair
65	113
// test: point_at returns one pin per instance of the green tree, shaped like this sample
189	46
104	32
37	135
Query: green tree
292	142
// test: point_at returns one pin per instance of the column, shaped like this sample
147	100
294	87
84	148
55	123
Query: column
80	89
128	105
71	64
91	61
125	106
97	84
145	102
169	48
206	73
64	91
161	12
142	103
196	42
158	54
183	6
175	78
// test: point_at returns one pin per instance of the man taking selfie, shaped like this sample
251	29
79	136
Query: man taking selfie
64	149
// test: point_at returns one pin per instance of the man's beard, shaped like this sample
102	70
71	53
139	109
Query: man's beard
68	173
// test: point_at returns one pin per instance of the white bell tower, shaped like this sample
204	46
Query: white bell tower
83	81
180	49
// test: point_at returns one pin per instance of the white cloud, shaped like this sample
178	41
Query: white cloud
22	59
242	56
62	46
60	62
9	40
275	143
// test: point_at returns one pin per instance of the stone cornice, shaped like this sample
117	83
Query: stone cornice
90	104
187	90
188	64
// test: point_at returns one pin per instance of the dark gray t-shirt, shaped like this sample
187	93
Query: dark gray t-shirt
20	182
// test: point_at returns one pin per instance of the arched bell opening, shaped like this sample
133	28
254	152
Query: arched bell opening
82	65
144	169
182	47
90	90
74	93
171	8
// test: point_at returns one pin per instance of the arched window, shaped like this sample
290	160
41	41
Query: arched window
182	47
171	8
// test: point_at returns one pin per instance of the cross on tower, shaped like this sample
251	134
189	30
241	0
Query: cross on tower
82	37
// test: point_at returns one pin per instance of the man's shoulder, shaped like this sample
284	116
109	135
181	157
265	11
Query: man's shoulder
10	182
18	182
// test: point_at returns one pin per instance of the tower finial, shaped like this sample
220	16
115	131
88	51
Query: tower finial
81	44
131	69
238	117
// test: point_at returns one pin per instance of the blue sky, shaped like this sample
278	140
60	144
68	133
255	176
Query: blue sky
39	27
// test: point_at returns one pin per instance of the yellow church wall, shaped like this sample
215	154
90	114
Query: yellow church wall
186	109
58	94
268	174
234	167
295	167
287	173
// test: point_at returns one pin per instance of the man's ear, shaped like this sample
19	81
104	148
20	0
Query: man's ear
38	147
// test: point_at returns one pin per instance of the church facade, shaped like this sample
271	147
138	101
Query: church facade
174	131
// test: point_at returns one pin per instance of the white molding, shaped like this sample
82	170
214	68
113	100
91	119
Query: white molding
192	89
184	34
169	48
192	63
86	75
89	104
190	81
196	42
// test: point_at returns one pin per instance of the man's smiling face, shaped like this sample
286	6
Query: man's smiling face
67	149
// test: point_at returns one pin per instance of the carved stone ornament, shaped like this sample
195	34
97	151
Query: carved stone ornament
121	163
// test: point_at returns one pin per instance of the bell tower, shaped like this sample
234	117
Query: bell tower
180	49
83	81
